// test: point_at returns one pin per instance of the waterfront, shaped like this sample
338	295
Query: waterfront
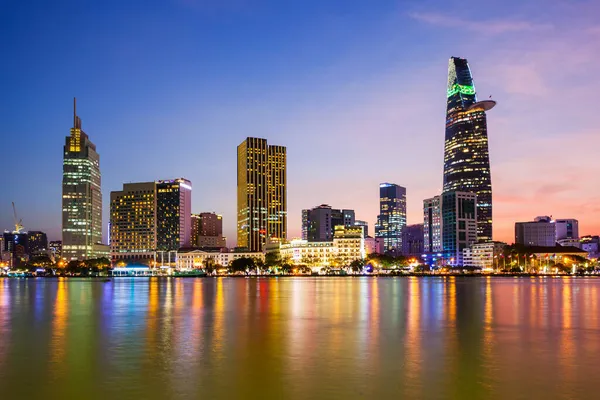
271	338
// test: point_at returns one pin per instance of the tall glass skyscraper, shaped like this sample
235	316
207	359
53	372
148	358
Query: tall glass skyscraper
466	154
392	217
81	196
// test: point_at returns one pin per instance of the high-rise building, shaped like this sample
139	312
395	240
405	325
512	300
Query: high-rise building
322	220
466	155
38	243
173	214
392	216
16	247
305	223
539	232
207	230
150	217
55	249
81	196
261	193
133	223
412	241
450	225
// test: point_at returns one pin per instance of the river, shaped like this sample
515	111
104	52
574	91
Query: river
300	338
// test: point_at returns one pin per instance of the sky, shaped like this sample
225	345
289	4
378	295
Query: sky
354	89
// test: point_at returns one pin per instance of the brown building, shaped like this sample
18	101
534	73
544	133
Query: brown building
207	230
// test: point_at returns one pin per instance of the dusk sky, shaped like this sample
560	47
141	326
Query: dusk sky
356	90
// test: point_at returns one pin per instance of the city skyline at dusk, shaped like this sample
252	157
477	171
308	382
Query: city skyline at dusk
350	93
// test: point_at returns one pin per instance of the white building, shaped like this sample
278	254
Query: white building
197	258
483	255
347	245
566	229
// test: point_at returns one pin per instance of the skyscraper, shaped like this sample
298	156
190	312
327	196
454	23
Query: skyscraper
261	193
466	155
173	214
81	196
319	222
392	217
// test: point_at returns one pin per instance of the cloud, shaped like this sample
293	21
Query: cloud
492	27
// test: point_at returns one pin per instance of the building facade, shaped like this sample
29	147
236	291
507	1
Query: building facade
37	243
413	241
173	214
347	245
466	154
55	249
81	196
365	226
432	224
197	259
485	255
133	223
392	216
540	232
261	193
322	220
567	229
207	230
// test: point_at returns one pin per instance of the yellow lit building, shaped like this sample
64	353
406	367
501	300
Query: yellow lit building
348	245
261	193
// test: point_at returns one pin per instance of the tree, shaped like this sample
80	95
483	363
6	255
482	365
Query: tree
357	265
286	268
272	259
209	266
242	264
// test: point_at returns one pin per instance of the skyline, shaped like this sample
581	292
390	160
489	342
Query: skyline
354	95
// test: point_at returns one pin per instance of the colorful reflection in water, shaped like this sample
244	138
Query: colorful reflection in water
475	338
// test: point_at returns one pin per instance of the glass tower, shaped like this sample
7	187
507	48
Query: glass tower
392	217
261	193
81	196
466	154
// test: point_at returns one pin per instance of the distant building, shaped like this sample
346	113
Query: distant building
305	223
590	244
81	196
261	193
347	245
150	217
413	241
365	226
540	232
38	243
322	220
197	258
392	216
207	230
450	225
485	255
373	245
16	247
55	249
567	229
173	214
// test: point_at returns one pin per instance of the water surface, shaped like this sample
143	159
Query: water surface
300	338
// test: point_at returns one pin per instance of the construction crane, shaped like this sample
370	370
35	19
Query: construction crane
18	222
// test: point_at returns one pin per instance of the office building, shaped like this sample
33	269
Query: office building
37	243
55	249
450	225
15	247
322	220
81	196
540	232
364	225
413	241
207	230
173	214
261	193
133	223
566	229
305	223
484	256
466	154
392	217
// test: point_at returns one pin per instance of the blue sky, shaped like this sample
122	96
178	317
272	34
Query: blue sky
354	89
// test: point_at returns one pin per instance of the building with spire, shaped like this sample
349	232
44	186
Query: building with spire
466	154
81	196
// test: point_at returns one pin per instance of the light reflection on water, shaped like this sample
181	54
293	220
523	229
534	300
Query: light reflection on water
299	338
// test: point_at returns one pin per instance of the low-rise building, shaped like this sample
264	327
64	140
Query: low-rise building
195	258
347	245
483	255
